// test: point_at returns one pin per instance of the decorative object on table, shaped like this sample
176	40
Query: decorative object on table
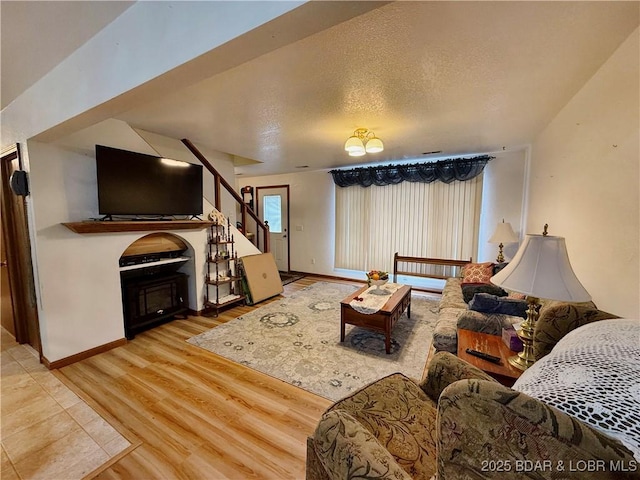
503	234
377	278
540	269
370	302
217	217
511	340
363	141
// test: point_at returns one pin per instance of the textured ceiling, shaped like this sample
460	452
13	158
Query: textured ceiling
460	77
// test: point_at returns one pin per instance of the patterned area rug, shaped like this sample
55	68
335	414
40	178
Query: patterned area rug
297	340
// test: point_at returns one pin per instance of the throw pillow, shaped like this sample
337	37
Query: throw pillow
477	272
487	303
468	291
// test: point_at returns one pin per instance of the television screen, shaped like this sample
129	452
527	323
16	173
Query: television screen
131	183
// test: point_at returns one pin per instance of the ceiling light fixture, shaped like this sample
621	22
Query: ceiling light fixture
363	141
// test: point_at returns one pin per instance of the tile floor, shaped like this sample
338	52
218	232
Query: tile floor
46	430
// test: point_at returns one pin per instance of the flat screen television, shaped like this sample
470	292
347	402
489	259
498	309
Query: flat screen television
131	183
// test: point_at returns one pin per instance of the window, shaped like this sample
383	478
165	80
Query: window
272	212
436	220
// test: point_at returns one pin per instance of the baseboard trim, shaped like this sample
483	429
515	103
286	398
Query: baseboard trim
63	362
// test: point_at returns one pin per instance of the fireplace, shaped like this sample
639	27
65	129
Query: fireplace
153	288
153	299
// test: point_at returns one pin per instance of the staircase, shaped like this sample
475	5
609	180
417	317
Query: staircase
262	230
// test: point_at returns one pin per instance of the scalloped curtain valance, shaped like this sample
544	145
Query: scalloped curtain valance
446	171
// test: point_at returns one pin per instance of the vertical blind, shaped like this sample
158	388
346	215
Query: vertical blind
436	220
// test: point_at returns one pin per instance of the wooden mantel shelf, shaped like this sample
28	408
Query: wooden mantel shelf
92	226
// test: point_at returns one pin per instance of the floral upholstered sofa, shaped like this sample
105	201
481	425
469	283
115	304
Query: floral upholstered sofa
555	321
459	423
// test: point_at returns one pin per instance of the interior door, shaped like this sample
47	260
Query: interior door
273	207
5	287
15	237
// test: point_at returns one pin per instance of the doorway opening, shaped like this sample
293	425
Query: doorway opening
18	288
272	204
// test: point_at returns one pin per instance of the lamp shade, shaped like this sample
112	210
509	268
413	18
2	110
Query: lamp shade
354	144
374	145
541	268
503	234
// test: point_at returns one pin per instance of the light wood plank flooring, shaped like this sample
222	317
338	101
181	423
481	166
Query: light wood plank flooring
195	414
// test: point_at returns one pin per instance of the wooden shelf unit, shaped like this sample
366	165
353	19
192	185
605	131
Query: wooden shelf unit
222	258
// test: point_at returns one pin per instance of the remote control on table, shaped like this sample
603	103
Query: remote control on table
484	356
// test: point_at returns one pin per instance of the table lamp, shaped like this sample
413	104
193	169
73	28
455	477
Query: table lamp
540	269
503	234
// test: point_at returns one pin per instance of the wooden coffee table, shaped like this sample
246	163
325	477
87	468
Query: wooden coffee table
381	321
505	373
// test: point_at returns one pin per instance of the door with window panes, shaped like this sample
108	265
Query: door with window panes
273	207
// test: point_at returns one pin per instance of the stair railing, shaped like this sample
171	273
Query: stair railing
246	211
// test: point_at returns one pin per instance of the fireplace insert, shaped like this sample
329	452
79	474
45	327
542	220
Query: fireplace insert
153	299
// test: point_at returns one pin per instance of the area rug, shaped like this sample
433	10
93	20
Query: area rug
297	340
287	277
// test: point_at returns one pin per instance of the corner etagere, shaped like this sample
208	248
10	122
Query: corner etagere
222	270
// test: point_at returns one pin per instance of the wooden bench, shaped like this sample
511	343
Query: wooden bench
436	268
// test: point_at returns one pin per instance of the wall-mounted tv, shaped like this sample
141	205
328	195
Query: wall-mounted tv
131	183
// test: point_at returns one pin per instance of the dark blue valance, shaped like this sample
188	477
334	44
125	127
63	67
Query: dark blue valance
446	171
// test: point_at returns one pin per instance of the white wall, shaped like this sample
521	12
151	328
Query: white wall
502	199
585	182
312	207
77	276
79	294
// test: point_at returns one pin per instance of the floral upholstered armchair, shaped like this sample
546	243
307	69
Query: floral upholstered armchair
458	423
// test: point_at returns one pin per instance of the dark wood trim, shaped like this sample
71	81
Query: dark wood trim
220	181
425	261
135	226
18	251
63	362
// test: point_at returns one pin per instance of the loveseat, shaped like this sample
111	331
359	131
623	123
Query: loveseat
555	321
459	423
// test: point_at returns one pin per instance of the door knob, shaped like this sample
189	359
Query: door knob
4	264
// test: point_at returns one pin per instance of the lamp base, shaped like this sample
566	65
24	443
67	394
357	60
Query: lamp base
520	363
526	357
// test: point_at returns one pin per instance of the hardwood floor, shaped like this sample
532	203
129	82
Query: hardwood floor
194	414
